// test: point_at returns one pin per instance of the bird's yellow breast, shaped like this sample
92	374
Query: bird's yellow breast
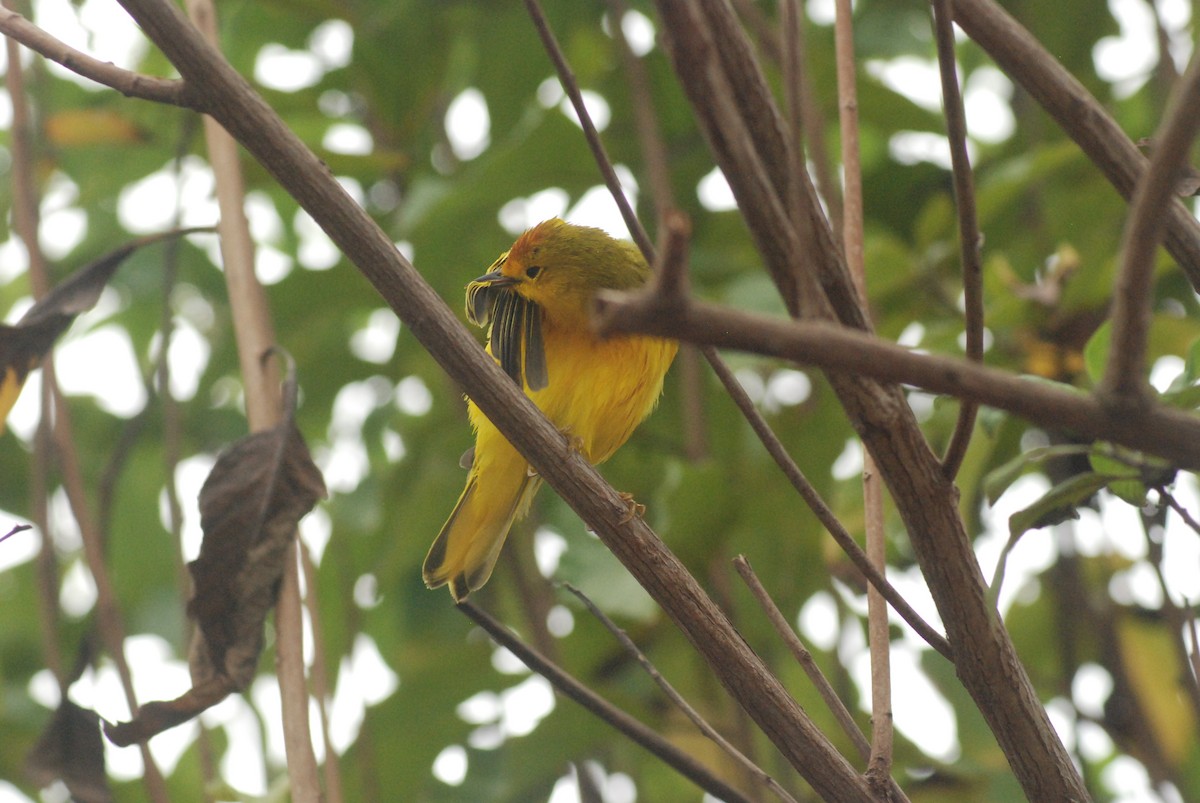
598	390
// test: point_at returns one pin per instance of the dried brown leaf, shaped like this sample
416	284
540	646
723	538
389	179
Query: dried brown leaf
70	750
250	504
23	344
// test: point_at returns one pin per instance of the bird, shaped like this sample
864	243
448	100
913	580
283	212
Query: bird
536	300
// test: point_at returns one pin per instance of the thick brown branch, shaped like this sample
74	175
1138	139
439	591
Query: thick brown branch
1164	431
1133	294
130	84
1083	118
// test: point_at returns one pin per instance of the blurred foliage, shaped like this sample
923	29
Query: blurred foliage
1052	226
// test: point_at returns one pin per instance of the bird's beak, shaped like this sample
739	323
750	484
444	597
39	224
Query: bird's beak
496	279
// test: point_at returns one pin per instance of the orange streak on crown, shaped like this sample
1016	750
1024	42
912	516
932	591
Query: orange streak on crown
532	238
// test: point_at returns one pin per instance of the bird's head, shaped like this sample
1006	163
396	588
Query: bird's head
551	274
558	266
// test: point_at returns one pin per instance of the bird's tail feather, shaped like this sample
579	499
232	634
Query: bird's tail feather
465	551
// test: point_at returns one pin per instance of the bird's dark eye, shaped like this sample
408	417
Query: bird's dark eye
532	271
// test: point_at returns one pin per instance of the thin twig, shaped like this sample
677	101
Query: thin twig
879	767
131	84
969	237
567	77
17	528
320	677
1125	378
692	714
803	657
1179	509
570	687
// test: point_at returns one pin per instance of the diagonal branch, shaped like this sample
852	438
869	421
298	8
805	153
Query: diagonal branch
1133	298
969	239
1083	118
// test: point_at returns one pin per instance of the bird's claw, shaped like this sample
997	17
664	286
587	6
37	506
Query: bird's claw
633	508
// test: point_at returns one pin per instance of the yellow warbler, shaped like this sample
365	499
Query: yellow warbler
536	298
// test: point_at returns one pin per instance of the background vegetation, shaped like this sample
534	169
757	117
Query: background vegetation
422	706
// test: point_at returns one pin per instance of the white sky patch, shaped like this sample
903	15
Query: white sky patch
286	70
450	766
468	124
190	474
413	396
818	620
14	259
821	12
914	147
786	387
597	208
987	99
19	547
332	42
121	392
100	28
639	32
77	594
242	765
376	341
550	93
266	226
364	679
548	549
595	104
64	225
150	205
560	621
316	251
271	265
714	192
316	529
520	214
849	463
348	138
1090	688
915	78
1127	59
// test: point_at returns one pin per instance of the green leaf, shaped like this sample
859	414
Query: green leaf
1059	504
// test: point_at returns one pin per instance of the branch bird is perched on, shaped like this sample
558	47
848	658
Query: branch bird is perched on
537	300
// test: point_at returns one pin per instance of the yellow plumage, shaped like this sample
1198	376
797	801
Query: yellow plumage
537	300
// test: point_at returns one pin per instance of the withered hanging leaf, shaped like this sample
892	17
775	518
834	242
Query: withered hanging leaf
23	344
154	718
70	749
249	507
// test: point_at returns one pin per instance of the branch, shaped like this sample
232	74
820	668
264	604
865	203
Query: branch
1133	294
634	730
969	238
757	772
1081	116
1164	431
803	657
128	83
